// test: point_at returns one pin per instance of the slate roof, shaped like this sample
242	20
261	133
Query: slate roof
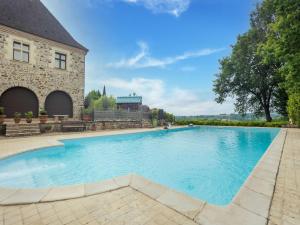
33	17
129	99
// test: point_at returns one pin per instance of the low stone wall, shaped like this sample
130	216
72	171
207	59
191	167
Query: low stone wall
51	127
103	125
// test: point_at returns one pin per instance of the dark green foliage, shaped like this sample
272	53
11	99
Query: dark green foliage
294	108
43	112
233	123
104	91
168	117
283	44
246	77
263	71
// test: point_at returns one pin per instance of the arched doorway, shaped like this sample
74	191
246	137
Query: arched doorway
59	103
19	99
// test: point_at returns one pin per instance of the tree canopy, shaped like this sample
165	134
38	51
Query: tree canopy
104	103
94	100
91	97
262	72
283	44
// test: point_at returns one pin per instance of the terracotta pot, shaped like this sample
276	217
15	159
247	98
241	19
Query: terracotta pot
43	119
28	120
2	117
86	118
94	128
17	119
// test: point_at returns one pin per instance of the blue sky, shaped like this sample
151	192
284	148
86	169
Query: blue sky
165	50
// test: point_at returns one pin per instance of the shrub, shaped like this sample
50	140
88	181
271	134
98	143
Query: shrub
1	111
18	115
43	112
233	123
29	115
294	108
87	111
154	122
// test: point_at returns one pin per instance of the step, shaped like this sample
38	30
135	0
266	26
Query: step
14	130
21	134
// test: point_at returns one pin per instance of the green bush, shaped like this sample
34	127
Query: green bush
29	115
87	111
233	123
43	112
1	110
104	103
154	122
294	108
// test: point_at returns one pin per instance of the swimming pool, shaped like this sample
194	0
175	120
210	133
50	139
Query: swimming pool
209	163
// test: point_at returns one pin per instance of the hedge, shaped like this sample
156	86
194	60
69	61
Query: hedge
233	123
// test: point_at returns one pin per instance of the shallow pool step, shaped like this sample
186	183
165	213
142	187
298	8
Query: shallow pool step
15	130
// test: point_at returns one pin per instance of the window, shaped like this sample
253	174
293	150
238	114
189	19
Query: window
60	60
21	51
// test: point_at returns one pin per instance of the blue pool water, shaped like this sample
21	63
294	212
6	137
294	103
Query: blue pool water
209	163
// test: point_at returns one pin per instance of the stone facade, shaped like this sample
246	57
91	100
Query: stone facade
103	125
40	74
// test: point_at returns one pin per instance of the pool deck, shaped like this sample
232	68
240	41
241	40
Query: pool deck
133	199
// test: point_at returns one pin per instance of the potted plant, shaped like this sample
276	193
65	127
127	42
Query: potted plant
86	116
2	116
28	116
43	116
17	117
94	127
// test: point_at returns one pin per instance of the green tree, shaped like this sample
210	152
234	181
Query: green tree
91	97
105	103
104	91
245	76
168	117
283	44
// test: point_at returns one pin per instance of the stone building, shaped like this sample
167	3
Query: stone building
41	64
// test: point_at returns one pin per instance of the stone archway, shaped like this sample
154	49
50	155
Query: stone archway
19	99
59	103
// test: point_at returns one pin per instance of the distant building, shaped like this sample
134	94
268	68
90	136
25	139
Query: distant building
129	103
41	64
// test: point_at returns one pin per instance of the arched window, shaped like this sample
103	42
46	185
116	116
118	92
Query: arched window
59	103
19	99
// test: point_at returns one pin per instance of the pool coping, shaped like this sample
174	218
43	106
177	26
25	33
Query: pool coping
249	206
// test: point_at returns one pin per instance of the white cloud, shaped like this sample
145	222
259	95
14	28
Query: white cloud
143	59
176	100
173	7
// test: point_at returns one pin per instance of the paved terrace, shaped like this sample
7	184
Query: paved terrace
285	207
134	200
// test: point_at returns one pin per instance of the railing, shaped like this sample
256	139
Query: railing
112	115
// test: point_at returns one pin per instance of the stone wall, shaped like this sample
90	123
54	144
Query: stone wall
40	74
103	125
120	125
108	125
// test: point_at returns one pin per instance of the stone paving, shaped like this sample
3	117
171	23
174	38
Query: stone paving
119	207
285	207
